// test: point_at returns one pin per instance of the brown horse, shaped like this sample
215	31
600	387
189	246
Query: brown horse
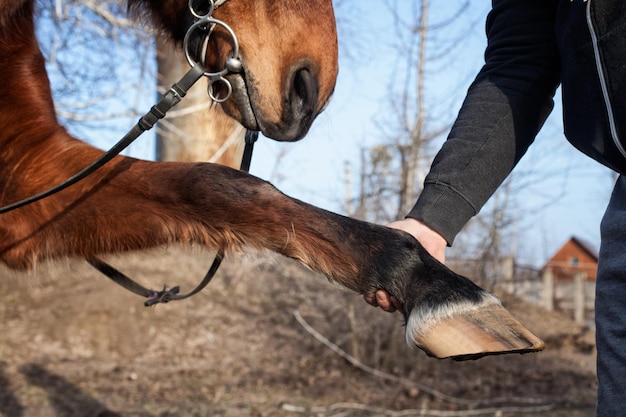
288	52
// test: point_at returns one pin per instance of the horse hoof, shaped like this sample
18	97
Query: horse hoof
470	331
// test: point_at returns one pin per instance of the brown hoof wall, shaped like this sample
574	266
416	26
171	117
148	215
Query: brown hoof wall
470	331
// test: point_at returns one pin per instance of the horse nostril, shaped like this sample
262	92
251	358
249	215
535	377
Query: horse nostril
299	104
304	93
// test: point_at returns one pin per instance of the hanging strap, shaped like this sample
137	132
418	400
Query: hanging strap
172	294
152	296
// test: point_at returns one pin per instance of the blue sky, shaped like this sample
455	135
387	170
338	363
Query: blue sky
565	194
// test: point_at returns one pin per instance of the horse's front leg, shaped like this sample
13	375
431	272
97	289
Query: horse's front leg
446	314
133	204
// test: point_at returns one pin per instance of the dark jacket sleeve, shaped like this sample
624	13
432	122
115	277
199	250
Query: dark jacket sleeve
504	109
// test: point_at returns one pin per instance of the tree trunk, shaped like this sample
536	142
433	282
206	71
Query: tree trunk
196	129
417	137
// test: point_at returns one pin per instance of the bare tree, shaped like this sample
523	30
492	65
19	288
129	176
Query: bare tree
394	169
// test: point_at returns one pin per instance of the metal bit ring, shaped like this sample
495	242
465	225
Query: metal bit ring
213	81
196	14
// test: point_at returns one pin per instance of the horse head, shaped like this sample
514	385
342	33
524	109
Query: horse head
288	51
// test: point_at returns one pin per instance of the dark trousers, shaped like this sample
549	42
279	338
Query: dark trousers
592	44
611	307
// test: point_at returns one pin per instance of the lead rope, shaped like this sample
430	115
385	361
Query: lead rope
172	294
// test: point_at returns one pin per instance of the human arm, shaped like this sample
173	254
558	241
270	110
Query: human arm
504	109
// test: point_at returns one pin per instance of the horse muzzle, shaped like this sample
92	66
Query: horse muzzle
298	103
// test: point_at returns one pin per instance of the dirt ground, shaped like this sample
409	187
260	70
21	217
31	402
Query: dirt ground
75	344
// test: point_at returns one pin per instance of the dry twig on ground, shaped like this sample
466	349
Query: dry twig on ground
512	404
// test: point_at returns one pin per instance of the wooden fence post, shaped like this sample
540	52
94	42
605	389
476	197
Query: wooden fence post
548	289
580	278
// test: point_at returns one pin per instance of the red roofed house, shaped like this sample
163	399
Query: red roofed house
572	273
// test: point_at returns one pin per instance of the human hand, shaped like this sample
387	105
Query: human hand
432	241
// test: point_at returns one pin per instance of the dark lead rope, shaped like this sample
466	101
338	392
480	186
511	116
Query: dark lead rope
172	294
